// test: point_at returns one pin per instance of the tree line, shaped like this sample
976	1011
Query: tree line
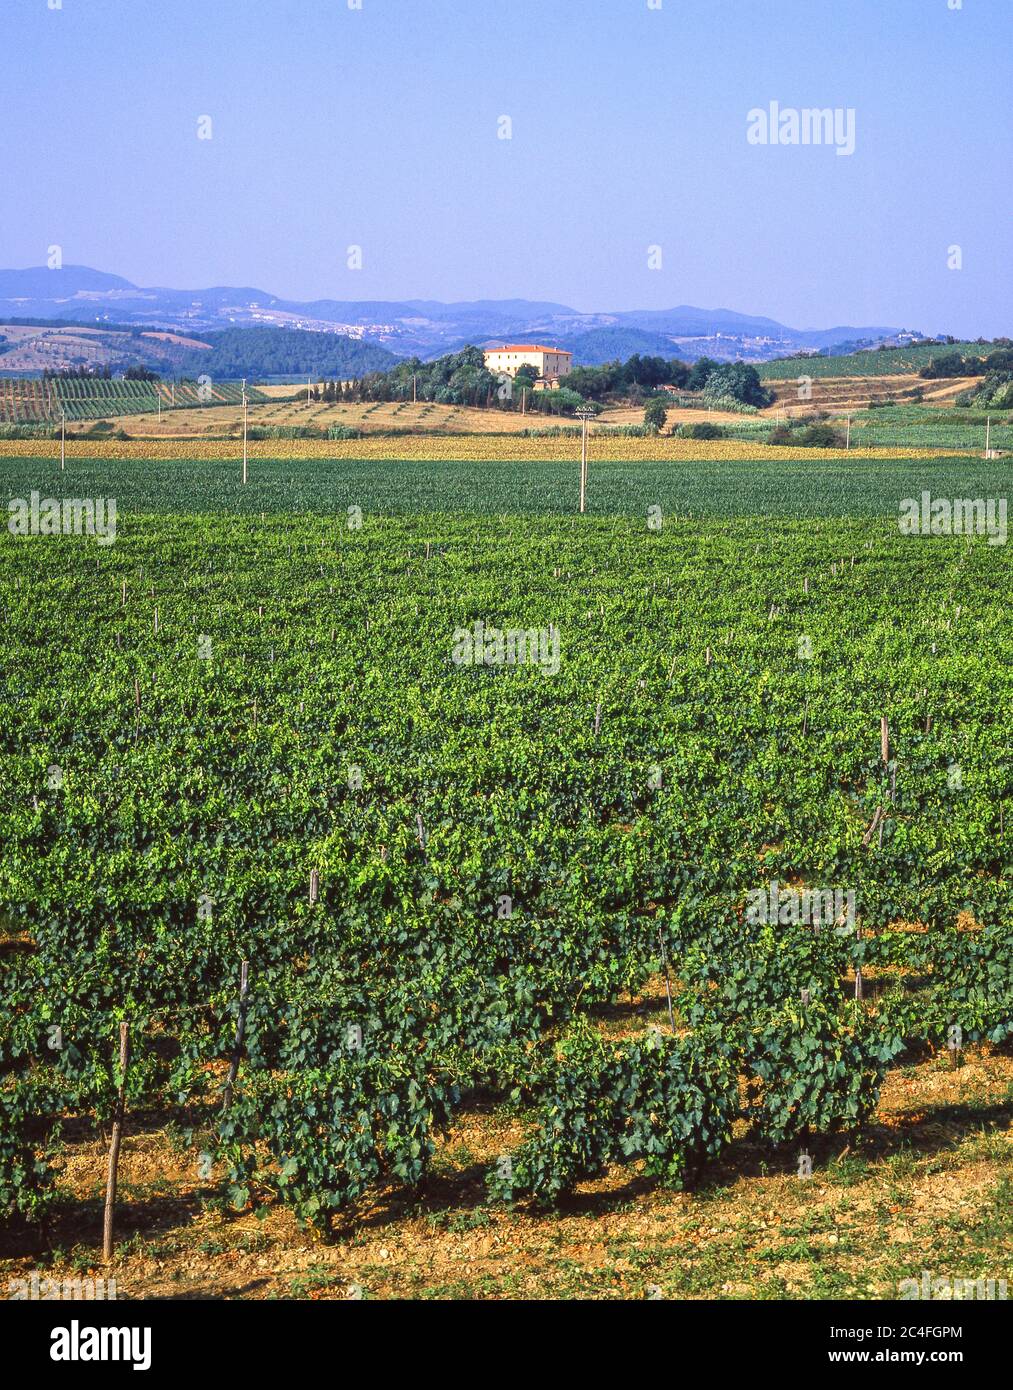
462	378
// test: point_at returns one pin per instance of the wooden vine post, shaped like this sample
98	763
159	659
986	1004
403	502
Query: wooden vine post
114	1147
877	821
884	748
668	982
237	1047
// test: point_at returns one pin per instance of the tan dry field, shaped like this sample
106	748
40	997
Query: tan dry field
277	392
832	394
843	393
380	418
677	415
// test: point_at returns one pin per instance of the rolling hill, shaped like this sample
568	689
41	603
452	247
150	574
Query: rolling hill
417	327
618	343
226	354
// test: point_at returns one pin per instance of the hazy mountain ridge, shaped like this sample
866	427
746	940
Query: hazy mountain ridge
417	327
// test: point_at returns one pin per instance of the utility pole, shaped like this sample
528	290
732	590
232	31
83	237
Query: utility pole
583	463
63	440
584	414
245	420
847	441
307	390
988	435
415	393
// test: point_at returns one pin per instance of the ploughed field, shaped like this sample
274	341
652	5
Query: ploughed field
471	782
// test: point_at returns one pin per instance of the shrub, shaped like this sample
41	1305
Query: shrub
818	1072
655	413
949	364
326	1136
702	431
669	1101
26	1125
29	432
738	381
808	437
728	403
995	392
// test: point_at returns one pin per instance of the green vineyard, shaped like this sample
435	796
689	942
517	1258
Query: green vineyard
875	362
36	400
456	778
902	426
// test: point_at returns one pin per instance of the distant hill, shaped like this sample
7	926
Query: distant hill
414	327
686	321
264	352
617	344
29	349
42	285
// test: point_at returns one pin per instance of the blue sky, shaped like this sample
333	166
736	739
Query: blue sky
378	128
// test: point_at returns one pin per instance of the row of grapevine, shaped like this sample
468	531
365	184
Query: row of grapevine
33	400
240	734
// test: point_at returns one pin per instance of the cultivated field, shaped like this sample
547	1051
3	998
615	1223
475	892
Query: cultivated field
885	362
378	418
840	394
468	874
80	401
878	411
560	445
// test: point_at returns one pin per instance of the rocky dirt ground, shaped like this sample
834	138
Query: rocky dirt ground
928	1186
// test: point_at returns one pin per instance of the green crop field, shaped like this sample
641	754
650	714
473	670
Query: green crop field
926	428
834	485
902	427
262	726
36	400
885	362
